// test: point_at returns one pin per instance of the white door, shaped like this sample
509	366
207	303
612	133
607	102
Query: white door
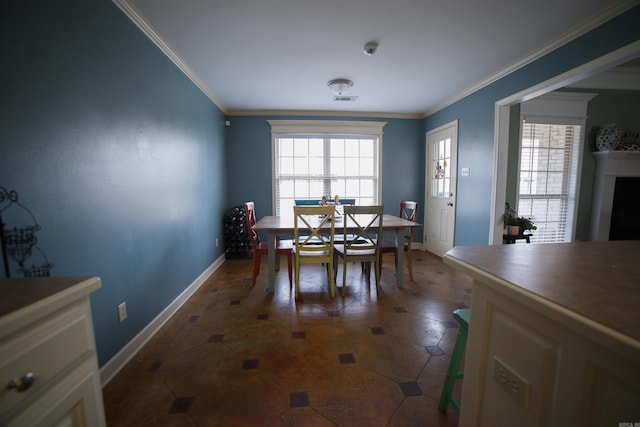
440	212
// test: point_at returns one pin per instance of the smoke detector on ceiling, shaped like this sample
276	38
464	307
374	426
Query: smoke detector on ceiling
370	48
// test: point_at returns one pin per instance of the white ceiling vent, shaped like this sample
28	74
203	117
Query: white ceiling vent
345	98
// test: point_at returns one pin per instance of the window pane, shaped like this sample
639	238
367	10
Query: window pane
316	187
286	166
301	166
316	166
300	147
337	147
316	147
366	167
352	148
338	166
338	186
286	147
286	188
347	167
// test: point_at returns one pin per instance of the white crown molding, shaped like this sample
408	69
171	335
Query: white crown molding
571	35
150	32
322	113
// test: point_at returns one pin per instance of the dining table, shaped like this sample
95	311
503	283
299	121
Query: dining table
276	226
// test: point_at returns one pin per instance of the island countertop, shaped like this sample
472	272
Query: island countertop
599	281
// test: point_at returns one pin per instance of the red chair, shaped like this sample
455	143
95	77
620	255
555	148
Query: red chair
408	210
283	247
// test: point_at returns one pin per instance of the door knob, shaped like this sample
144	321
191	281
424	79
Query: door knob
449	204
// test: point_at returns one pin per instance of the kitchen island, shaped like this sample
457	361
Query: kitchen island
554	337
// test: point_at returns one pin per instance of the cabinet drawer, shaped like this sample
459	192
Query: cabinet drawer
46	349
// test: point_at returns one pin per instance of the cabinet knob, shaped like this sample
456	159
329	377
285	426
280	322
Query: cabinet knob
22	383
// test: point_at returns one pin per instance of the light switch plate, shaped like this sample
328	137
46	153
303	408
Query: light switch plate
122	311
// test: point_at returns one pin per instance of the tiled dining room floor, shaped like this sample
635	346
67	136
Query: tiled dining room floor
235	355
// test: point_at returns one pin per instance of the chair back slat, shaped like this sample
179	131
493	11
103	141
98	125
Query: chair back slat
362	228
307	202
409	211
313	230
250	213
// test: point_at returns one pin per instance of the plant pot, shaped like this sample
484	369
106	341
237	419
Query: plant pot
513	230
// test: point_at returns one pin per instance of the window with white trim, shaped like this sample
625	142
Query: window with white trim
316	158
549	171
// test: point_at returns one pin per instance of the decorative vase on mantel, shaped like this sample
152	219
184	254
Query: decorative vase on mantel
608	137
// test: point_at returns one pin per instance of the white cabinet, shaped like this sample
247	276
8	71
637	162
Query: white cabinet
553	336
46	333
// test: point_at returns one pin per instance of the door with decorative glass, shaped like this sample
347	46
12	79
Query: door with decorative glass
440	212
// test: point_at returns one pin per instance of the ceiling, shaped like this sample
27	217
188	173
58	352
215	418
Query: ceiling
253	56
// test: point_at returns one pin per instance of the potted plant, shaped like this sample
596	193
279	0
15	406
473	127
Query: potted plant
516	225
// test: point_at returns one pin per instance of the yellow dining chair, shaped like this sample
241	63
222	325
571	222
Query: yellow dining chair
409	211
362	227
313	232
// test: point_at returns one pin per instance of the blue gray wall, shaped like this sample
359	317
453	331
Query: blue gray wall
476	118
117	154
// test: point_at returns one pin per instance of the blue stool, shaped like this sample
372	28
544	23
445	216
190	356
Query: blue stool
453	373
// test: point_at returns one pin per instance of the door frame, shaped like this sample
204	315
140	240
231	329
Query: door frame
501	124
454	173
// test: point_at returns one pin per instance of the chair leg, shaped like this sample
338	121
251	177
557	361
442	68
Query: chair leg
289	268
344	275
332	282
296	287
256	268
378	274
453	373
408	256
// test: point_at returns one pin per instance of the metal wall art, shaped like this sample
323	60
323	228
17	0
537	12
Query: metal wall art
18	228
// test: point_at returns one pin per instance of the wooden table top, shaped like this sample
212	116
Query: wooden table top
279	224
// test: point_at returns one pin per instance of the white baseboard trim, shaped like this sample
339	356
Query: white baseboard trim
117	362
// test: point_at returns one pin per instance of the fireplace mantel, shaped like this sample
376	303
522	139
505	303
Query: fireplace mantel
609	166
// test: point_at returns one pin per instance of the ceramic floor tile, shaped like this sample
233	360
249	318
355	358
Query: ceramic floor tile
392	357
355	396
191	372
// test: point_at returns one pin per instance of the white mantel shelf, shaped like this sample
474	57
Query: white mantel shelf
609	166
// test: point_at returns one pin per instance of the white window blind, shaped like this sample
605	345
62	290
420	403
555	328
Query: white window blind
549	170
548	179
308	165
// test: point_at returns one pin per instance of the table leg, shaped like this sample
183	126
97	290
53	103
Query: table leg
271	256
399	256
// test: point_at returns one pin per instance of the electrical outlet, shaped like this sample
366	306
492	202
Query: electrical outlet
122	311
514	384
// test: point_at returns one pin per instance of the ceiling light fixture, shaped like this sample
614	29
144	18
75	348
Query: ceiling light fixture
370	48
340	86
